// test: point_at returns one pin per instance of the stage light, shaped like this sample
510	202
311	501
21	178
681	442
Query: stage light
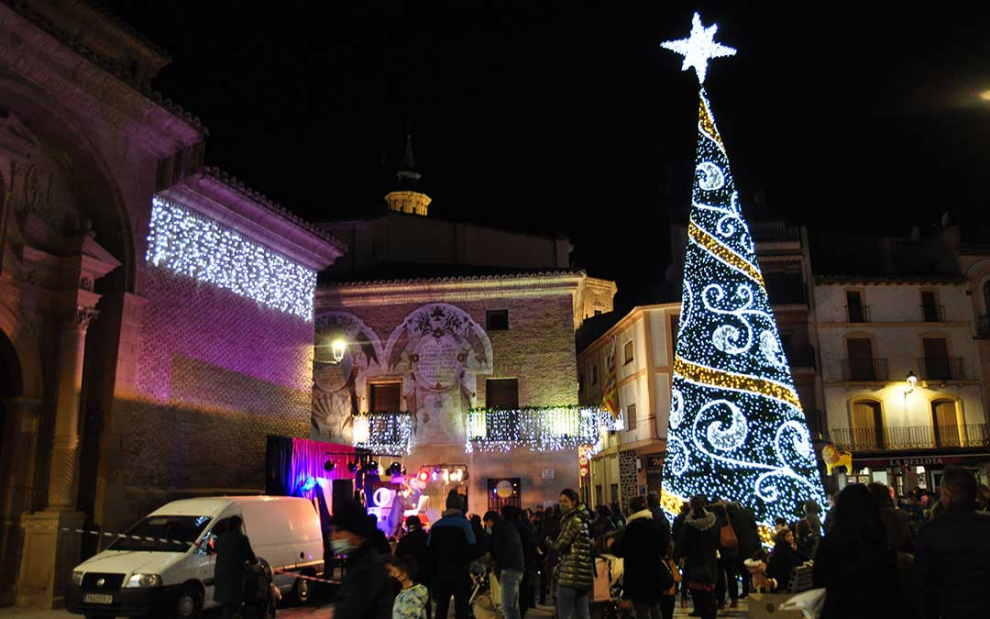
329	465
395	468
423	476
352	466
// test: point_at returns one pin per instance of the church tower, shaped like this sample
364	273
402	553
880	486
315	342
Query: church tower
406	199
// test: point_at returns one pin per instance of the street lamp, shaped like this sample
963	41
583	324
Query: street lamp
339	347
912	380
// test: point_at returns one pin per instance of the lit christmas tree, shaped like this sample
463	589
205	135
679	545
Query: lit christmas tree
736	428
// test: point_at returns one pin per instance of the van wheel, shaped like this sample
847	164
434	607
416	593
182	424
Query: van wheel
302	590
188	603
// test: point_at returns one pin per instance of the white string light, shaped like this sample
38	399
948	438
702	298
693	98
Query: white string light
383	433
539	428
195	246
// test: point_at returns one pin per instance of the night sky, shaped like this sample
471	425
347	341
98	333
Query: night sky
569	118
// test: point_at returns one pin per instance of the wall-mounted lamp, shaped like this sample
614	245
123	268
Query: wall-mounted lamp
339	347
912	380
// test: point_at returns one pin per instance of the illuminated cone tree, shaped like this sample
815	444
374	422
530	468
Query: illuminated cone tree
736	428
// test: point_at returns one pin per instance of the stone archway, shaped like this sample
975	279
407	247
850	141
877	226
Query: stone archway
14	482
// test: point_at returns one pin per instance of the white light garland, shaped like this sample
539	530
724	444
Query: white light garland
540	429
383	433
194	246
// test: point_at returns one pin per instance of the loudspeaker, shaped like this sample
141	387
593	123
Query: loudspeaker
343	490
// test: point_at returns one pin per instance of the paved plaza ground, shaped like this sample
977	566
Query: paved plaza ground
325	611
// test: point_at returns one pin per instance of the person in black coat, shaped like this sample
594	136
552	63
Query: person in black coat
643	547
697	545
854	564
365	592
744	524
783	559
453	545
510	563
527	535
728	559
952	560
233	553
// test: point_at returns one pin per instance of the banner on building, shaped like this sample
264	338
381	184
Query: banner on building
610	398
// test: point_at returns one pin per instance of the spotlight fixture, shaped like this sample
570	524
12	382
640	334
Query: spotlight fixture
352	466
395	468
423	476
329	465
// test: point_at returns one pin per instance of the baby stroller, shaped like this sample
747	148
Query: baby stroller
606	594
260	594
486	597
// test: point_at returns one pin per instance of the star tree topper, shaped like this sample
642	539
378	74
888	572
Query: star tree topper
699	48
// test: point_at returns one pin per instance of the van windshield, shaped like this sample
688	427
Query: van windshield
163	534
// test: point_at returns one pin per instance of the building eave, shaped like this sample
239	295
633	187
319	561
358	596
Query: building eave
523	285
890	280
257	218
34	49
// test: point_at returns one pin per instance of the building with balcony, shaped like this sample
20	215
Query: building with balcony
460	354
902	376
643	344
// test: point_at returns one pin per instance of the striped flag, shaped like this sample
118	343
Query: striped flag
610	399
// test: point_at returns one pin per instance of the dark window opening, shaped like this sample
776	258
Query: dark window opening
502	393
497	320
627	353
854	306
386	397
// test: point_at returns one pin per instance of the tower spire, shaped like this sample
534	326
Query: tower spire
406	198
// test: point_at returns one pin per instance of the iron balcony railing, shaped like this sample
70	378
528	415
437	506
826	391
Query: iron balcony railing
864	370
932	313
858	314
911	437
942	368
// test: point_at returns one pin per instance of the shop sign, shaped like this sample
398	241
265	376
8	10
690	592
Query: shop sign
654	462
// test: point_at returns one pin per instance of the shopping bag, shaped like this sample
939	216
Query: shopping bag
767	606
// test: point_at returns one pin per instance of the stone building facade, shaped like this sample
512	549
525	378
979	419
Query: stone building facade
437	346
146	343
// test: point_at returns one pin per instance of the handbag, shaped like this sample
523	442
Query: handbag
666	576
727	535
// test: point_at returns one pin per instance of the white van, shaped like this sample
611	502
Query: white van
137	577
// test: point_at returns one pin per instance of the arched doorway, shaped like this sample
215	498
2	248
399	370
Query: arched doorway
11	387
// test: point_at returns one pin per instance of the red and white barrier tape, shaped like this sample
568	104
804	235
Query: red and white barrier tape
161	540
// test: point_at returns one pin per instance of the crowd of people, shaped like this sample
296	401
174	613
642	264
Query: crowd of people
873	556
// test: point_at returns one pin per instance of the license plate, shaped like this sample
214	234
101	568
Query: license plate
95	598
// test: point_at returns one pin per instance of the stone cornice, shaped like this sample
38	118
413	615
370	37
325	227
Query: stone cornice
449	289
77	77
237	209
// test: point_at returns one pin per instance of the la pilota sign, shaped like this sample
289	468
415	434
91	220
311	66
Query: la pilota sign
922	460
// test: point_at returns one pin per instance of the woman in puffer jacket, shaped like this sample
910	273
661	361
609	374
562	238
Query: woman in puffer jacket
697	545
576	570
